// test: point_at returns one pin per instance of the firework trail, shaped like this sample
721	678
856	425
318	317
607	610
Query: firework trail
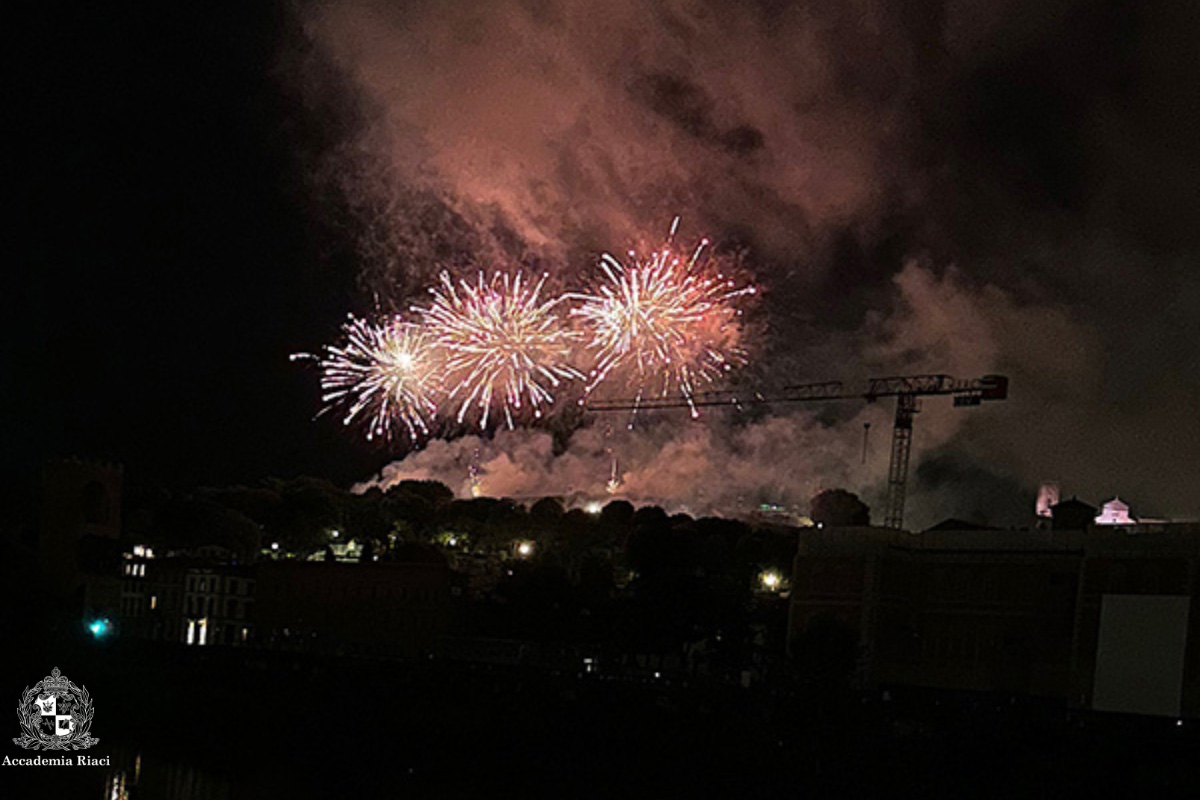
504	345
384	374
666	323
614	473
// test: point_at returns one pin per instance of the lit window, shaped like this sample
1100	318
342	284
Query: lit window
153	602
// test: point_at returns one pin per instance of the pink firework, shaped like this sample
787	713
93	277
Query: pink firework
663	323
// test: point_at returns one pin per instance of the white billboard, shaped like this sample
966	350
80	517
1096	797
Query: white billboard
1139	655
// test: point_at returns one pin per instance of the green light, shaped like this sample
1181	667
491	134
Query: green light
100	628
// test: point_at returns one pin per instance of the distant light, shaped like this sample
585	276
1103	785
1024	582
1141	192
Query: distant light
100	628
525	549
593	507
275	546
336	534
452	541
658	675
770	580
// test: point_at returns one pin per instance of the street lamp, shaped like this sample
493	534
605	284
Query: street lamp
770	580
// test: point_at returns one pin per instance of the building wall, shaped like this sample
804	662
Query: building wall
1006	611
218	604
79	498
1165	563
954	620
379	608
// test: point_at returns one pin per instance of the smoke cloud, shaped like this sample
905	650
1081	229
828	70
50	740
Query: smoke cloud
959	187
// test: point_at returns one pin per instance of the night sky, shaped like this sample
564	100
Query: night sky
960	187
167	264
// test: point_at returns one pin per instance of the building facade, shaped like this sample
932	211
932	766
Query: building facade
382	608
1036	612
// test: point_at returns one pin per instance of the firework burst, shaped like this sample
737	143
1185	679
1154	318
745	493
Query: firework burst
665	322
384	375
505	346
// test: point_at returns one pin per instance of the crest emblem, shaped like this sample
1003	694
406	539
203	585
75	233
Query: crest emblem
55	714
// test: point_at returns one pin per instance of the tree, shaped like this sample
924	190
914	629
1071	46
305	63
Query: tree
436	493
547	511
366	517
618	514
310	509
839	508
187	524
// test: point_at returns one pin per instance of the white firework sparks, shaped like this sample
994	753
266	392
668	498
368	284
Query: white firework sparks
383	375
505	346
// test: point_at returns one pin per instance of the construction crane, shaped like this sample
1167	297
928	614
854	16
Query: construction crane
906	389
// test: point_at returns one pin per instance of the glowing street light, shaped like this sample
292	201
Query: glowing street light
770	580
525	549
593	508
100	627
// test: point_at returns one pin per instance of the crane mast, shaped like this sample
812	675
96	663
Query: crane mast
906	389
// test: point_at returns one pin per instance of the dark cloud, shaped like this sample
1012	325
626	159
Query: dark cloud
690	108
952	486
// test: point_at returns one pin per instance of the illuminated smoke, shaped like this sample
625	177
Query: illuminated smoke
840	142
